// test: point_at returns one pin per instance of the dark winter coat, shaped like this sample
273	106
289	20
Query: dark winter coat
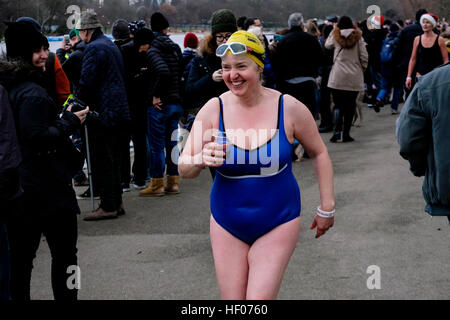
298	54
72	65
47	152
188	55
405	45
136	75
423	133
164	61
200	87
388	68
374	39
10	156
102	84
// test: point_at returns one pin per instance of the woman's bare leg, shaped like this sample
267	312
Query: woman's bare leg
230	260
268	258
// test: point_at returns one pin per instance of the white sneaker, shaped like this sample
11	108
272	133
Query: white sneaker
138	187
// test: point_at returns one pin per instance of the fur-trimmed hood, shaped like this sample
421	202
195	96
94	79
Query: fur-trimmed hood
13	72
207	46
347	42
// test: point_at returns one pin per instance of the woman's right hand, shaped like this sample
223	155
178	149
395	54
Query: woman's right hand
80	114
217	75
213	154
408	83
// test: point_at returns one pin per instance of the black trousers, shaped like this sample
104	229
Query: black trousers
137	132
106	157
304	92
345	101
25	229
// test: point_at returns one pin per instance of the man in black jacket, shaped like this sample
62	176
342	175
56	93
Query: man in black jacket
136	77
296	63
71	60
164	61
405	45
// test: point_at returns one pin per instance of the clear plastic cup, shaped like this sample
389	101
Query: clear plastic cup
220	137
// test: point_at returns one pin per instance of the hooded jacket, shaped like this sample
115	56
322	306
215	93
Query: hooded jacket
350	59
164	61
423	133
47	152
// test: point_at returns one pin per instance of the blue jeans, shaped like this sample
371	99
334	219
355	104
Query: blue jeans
4	264
161	126
386	86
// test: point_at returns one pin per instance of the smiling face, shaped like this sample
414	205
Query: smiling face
40	57
240	73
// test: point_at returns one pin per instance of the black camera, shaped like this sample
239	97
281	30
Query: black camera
78	105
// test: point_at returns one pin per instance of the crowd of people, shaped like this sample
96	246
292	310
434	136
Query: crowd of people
142	87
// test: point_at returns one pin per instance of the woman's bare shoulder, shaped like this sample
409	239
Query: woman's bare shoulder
293	106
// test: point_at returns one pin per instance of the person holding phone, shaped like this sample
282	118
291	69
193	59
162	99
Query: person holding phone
255	198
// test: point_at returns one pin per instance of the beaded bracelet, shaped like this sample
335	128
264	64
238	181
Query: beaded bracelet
325	214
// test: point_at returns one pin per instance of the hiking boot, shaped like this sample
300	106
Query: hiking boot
87	195
155	189
100	214
172	185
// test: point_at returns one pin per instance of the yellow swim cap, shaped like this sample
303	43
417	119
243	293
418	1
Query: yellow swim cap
252	42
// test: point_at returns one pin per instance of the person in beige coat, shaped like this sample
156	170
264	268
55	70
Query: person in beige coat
347	75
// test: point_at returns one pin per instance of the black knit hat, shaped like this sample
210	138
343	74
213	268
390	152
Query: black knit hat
120	30
22	40
223	20
394	27
158	22
143	36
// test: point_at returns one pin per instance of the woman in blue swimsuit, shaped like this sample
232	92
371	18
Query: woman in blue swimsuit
247	135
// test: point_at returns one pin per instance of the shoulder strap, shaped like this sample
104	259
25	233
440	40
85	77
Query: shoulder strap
280	123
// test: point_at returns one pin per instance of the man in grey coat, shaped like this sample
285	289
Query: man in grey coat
423	133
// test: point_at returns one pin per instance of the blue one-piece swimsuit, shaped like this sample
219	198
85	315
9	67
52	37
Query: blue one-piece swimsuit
255	191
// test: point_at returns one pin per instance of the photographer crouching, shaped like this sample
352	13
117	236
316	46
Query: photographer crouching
48	204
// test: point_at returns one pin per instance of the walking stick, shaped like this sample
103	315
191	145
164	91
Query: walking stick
88	160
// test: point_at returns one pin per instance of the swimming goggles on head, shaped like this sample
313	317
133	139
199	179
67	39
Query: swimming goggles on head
237	48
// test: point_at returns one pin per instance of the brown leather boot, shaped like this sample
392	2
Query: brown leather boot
155	189
173	185
100	214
